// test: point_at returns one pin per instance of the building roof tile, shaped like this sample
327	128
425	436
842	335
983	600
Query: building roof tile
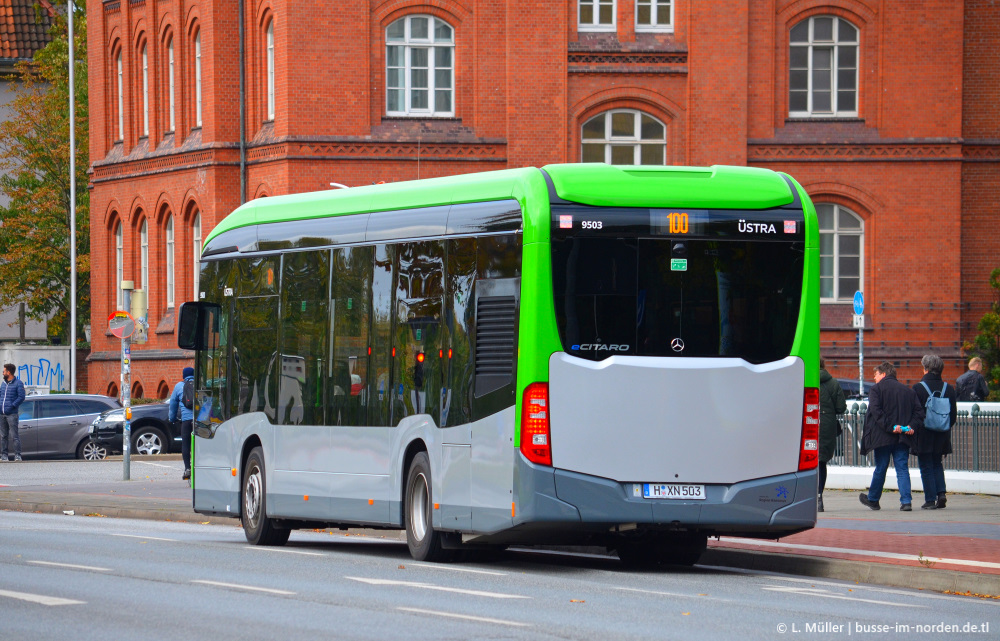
24	27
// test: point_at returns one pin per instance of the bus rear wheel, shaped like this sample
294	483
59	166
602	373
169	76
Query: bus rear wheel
259	529
421	537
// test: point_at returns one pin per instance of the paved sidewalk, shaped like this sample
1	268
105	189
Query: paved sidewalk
956	549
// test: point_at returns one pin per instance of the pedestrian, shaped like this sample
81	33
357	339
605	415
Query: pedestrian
893	414
931	446
178	400
11	397
972	384
831	403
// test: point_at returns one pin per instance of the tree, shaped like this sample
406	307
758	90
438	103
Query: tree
34	156
986	344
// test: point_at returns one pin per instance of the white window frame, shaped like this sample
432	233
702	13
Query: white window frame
653	8
595	25
197	79
408	43
144	256
834	45
170	84
121	97
119	266
196	247
270	70
609	141
169	227
838	234
145	91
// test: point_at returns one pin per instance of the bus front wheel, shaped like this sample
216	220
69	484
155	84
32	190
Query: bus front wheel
421	537
259	529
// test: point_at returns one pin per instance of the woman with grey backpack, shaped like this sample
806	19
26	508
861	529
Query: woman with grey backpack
933	439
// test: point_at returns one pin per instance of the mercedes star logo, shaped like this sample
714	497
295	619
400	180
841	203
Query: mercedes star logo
677	345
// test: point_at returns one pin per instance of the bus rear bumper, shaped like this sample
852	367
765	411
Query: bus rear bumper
768	507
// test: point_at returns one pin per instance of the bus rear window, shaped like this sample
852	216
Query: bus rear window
681	297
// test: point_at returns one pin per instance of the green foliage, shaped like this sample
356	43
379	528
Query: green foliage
986	344
34	159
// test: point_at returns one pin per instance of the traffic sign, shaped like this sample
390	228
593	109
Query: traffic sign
859	321
859	303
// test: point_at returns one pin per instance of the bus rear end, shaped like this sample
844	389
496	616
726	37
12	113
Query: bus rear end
676	397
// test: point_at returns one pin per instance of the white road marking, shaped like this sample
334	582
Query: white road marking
445	567
463	616
441	588
872	553
871	588
828	595
136	536
40	598
71	566
678	594
169	467
243	587
270	549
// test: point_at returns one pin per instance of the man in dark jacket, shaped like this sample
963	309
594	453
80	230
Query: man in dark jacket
894	414
972	384
11	397
930	446
831	403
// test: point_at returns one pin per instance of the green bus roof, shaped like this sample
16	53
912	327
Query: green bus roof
597	184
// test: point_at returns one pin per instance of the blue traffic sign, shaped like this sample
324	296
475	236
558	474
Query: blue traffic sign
859	303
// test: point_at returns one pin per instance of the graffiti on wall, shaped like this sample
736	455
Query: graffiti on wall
45	373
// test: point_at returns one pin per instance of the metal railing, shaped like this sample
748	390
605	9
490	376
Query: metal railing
975	440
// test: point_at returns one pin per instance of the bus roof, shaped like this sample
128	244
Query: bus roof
597	184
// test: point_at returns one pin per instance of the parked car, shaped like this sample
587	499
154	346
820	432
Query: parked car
152	433
58	425
850	387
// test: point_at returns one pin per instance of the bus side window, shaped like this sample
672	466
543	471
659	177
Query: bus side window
256	366
352	280
460	314
417	363
380	339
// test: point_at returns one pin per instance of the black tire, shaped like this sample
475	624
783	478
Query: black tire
421	537
259	529
91	450
149	440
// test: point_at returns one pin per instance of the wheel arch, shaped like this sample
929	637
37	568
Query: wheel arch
412	449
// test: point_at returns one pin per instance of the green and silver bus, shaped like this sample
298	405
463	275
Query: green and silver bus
579	354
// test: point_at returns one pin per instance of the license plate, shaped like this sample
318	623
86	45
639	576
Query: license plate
680	491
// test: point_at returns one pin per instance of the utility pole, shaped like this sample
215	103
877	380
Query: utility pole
72	203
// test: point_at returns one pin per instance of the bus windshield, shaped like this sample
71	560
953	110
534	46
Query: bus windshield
648	282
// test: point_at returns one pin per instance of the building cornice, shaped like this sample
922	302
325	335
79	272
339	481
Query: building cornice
920	151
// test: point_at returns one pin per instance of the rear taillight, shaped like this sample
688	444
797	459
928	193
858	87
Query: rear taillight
536	443
809	451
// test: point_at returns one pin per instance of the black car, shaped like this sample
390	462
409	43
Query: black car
56	425
850	387
152	433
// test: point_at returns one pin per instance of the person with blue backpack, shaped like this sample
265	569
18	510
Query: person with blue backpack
933	439
183	399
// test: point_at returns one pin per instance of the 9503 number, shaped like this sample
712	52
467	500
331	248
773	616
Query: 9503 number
591	224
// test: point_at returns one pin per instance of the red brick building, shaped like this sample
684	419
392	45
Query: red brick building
886	112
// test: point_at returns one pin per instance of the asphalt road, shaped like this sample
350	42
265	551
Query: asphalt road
79	577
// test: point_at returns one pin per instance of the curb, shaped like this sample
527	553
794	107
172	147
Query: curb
902	576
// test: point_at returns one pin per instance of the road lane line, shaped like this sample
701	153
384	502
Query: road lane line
169	467
912	592
136	536
677	594
441	588
237	586
467	617
71	566
40	598
445	567
262	549
827	595
872	553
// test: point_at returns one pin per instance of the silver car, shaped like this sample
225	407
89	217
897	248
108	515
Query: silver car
58	425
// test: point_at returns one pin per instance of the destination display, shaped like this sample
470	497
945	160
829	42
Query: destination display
773	224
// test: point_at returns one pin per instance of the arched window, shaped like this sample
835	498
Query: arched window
169	228
420	67
270	70
144	256
145	91
624	137
841	233
823	68
170	84
121	96
163	390
197	79
119	266
196	242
